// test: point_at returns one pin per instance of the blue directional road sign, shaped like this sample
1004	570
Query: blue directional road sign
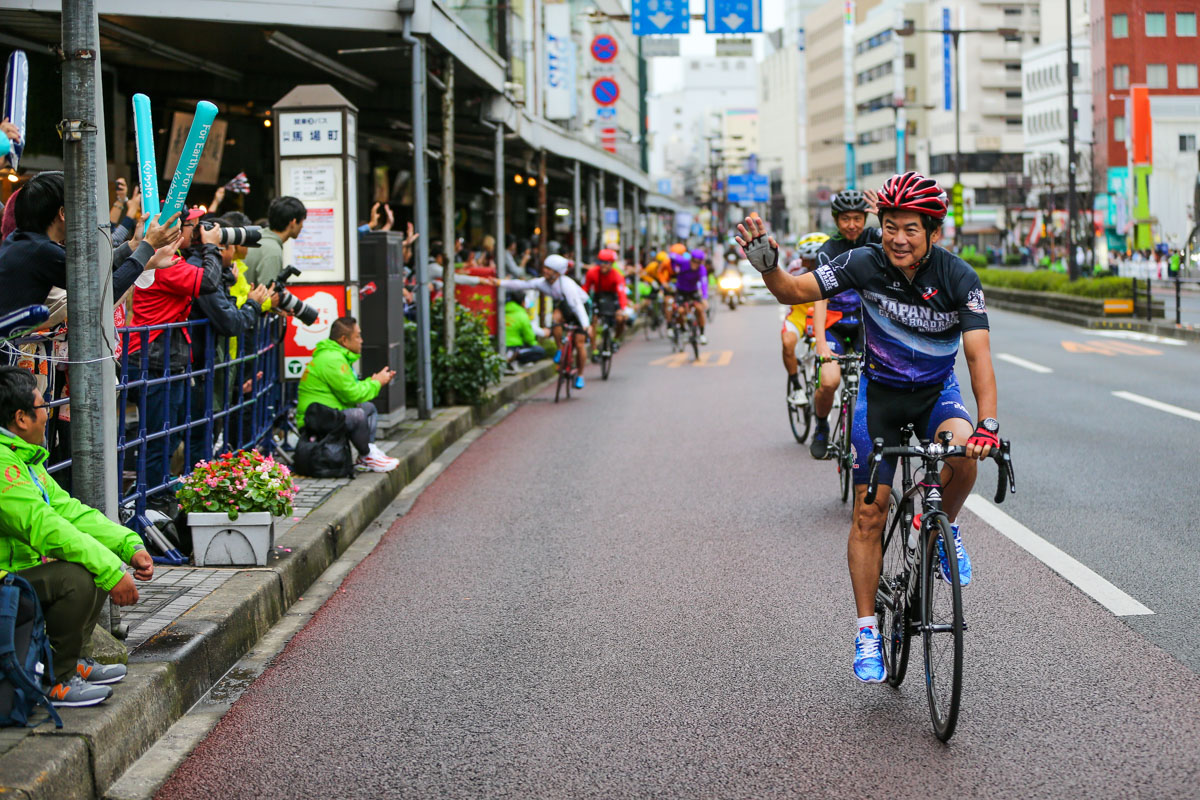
660	16
745	190
733	16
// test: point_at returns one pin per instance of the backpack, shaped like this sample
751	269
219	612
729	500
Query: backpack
324	448
23	643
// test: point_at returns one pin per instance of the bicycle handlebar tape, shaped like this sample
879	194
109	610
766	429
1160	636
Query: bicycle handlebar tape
16	91
189	159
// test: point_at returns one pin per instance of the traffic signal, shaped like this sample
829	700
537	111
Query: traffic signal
956	201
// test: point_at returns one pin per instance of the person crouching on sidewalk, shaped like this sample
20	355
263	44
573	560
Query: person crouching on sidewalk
39	520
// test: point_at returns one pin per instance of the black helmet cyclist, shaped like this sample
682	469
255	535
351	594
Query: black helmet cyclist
848	200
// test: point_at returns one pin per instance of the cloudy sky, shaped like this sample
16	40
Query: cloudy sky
668	72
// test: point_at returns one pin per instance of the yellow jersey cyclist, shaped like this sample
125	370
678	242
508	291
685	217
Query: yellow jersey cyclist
795	324
837	319
919	301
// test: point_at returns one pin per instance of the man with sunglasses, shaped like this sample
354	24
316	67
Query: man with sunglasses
87	552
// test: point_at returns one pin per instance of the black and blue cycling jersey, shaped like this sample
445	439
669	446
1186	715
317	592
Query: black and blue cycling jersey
912	327
847	302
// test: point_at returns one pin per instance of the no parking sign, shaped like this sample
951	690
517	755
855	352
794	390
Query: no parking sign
606	91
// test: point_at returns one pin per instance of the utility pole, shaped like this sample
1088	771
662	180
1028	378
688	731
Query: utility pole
1072	266
421	204
90	335
448	242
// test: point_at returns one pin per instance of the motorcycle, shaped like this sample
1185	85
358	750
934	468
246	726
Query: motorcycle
730	285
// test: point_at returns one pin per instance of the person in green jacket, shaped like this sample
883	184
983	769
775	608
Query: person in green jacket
329	380
38	521
520	337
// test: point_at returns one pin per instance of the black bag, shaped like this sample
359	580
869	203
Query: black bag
324	447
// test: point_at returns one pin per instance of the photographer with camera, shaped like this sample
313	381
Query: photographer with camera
285	218
329	381
168	300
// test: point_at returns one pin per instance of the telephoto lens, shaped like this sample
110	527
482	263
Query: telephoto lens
248	236
296	307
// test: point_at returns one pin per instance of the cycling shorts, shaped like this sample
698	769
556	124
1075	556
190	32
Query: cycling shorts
686	297
881	411
795	320
568	316
838	333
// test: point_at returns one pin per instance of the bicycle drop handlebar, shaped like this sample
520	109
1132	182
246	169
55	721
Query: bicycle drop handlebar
934	451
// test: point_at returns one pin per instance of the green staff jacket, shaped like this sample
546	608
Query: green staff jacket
329	380
38	519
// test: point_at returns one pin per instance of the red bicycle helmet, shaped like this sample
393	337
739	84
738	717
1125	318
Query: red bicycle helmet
912	191
607	255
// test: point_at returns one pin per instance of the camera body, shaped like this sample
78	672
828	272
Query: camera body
289	302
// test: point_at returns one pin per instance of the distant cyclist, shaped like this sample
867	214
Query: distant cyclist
606	284
919	302
570	305
837	319
797	320
691	287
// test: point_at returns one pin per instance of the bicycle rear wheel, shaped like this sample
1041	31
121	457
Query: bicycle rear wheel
606	353
562	379
942	628
891	600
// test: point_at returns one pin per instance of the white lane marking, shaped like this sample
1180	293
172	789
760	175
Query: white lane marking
1137	336
1092	584
1170	409
1020	362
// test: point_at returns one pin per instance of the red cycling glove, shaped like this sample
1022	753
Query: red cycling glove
982	436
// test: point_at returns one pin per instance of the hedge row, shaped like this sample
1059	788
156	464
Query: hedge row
1046	281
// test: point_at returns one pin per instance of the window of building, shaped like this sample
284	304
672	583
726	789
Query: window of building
1120	26
1156	76
1013	122
1013	67
1119	128
1013	94
1185	76
1187	142
1156	23
1012	37
910	61
1120	76
1185	23
1012	12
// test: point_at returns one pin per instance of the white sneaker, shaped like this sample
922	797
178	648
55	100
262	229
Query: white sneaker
372	464
703	339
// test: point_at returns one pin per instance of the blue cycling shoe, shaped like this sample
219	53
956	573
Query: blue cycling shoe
868	656
964	560
579	382
557	356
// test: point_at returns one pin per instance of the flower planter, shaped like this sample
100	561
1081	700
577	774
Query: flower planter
218	541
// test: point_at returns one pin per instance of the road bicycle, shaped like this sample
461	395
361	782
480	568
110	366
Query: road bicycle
912	597
566	363
840	441
693	329
606	345
800	401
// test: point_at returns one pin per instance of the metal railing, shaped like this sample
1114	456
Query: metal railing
232	397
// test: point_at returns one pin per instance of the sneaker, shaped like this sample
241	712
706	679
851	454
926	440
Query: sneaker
578	382
868	656
78	693
557	356
369	463
374	452
964	560
96	673
703	339
820	443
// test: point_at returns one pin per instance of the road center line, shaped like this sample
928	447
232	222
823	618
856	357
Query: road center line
1170	409
1020	362
1082	576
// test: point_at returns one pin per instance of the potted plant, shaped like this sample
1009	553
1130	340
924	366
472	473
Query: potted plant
231	503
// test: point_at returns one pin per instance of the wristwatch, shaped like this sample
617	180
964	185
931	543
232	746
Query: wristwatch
990	425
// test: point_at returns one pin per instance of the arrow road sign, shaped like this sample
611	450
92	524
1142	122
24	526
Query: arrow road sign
606	91
733	16
660	16
604	48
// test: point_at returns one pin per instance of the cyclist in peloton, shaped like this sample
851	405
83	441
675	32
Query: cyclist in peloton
570	306
837	319
797	320
918	301
606	283
691	286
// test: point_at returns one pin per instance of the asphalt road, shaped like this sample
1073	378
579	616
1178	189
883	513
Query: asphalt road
643	593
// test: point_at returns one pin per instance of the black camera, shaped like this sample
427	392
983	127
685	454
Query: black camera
248	236
289	302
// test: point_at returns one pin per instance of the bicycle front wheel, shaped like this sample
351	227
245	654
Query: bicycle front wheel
942	627
891	600
846	444
694	338
606	354
799	416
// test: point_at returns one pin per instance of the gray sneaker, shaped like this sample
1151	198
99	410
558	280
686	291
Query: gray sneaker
94	672
77	693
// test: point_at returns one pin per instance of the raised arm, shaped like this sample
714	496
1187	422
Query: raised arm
762	252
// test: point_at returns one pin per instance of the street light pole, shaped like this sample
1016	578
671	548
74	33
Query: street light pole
1072	266
957	120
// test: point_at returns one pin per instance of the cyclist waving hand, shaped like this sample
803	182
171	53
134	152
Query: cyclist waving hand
918	301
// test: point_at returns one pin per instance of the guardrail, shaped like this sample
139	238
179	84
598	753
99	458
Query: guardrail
233	398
